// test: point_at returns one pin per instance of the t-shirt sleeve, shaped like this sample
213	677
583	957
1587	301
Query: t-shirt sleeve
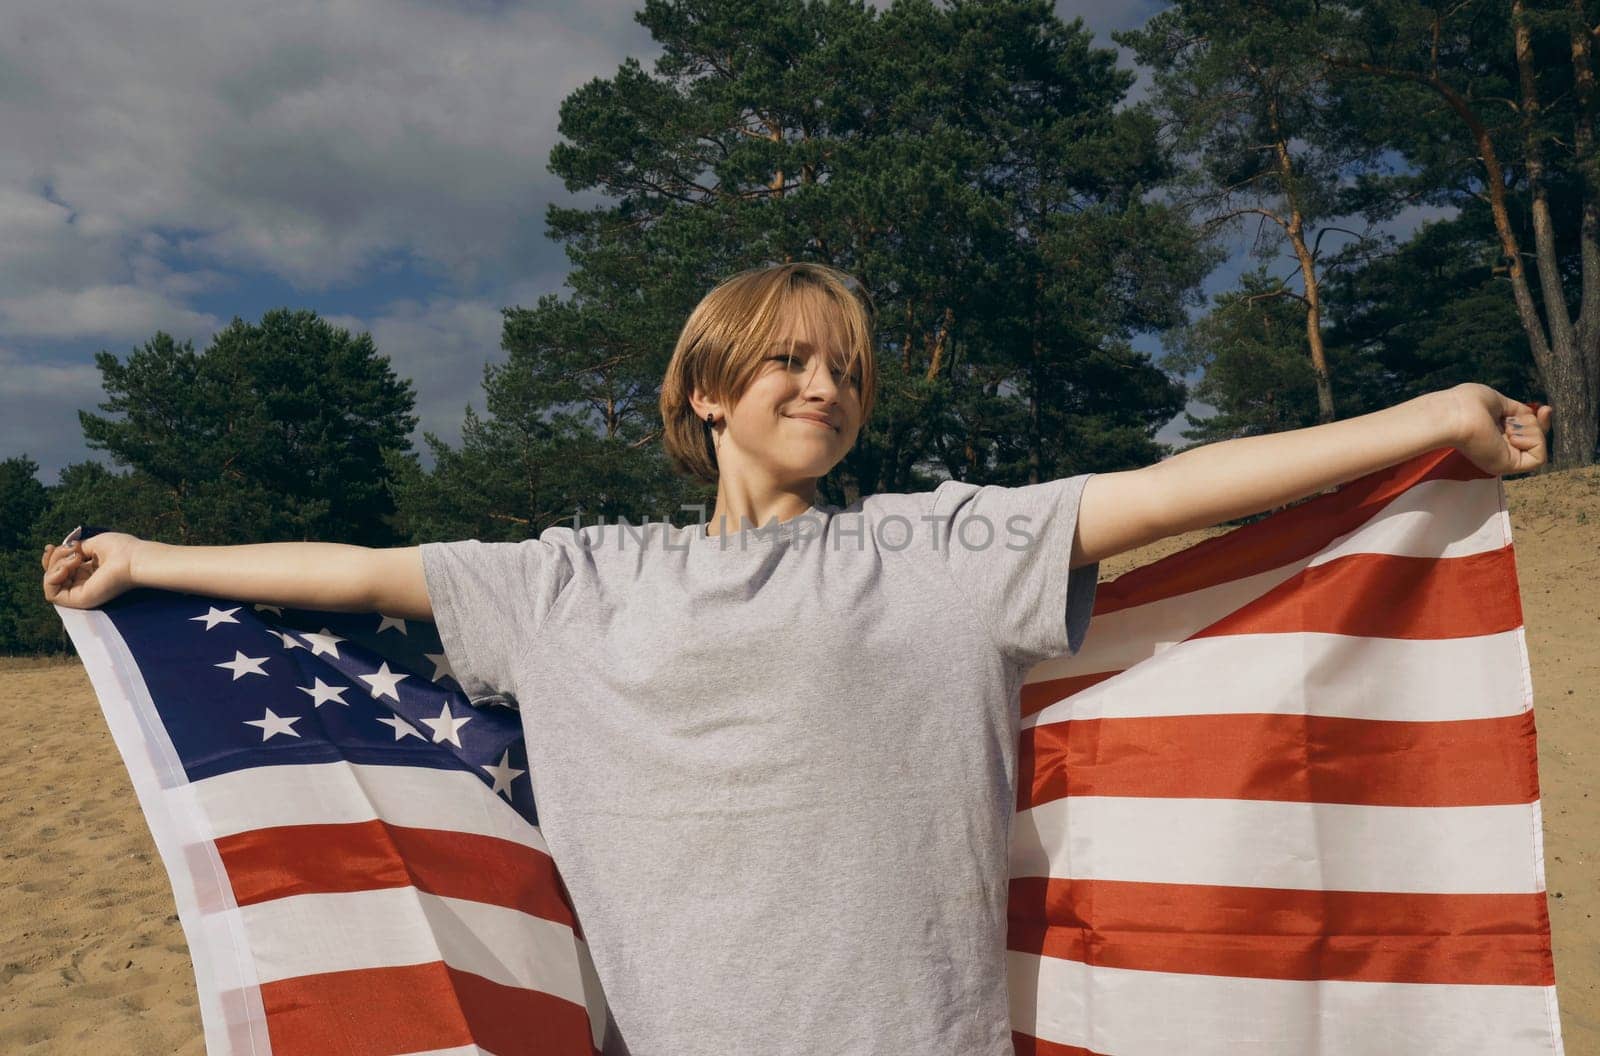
489	602
1009	550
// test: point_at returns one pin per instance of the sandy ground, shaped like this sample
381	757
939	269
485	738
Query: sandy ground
92	958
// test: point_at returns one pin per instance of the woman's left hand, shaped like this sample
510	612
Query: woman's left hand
1498	434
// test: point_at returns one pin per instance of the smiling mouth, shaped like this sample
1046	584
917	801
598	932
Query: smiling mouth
815	422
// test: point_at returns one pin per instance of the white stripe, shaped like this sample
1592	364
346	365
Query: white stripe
1442	518
1118	640
230	1003
342	793
1134	1013
1314	673
1437	518
390	927
1303	846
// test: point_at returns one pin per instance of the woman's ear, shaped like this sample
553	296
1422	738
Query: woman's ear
703	406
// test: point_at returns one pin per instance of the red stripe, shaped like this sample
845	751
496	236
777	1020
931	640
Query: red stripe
378	1011
1028	1045
1366	595
1038	695
264	864
1388	596
1291	758
1287	536
1268	933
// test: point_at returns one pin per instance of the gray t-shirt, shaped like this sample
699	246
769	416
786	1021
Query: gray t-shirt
777	768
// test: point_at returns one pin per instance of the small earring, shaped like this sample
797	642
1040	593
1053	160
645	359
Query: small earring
709	418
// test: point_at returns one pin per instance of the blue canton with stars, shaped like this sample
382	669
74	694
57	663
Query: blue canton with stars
241	685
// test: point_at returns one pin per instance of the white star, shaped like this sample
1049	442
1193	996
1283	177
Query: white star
288	640
393	621
402	728
446	726
504	773
323	693
274	724
242	665
323	643
215	616
441	667
383	682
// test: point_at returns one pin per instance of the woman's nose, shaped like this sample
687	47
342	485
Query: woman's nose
820	382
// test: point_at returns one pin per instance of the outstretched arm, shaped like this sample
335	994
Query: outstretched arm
1217	482
333	577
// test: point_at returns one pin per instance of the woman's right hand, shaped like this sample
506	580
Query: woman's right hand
87	573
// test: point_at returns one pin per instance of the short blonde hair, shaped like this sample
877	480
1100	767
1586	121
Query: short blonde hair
731	330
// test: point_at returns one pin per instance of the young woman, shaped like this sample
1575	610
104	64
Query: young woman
775	752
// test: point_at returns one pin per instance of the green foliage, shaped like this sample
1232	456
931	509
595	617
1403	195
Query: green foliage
1261	119
288	429
1426	315
1439	89
1431	314
966	163
1251	348
1322	119
1251	107
277	432
34	515
22	500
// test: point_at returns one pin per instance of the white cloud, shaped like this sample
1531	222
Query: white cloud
301	139
26	380
153	148
39	402
101	311
442	346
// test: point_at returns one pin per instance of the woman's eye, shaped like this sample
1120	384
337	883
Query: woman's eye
796	361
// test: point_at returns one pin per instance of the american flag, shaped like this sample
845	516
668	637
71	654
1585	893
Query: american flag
353	848
1284	801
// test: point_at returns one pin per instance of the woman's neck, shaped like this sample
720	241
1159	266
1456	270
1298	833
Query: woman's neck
737	509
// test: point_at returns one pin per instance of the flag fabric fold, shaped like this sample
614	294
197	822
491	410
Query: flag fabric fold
1284	800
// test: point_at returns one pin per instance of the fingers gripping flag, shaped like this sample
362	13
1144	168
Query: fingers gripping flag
1283	801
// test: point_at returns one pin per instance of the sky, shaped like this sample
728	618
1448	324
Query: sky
173	166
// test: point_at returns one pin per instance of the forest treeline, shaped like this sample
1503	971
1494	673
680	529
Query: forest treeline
1016	218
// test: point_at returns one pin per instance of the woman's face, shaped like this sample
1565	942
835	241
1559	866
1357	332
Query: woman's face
801	412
